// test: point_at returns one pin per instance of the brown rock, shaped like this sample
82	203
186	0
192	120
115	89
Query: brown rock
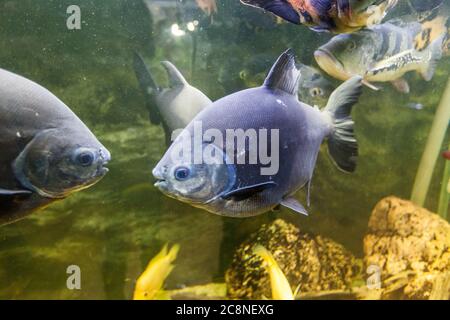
313	263
406	239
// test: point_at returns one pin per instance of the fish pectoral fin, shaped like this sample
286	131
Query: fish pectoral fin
294	205
11	193
370	85
401	85
249	191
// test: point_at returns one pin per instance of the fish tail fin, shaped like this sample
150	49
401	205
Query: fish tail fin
342	144
265	254
148	87
435	54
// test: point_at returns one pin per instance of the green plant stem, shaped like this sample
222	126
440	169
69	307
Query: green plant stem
444	197
432	150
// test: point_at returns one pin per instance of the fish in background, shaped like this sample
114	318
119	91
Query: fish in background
337	16
46	152
383	53
281	289
314	88
446	155
241	189
158	269
173	107
207	6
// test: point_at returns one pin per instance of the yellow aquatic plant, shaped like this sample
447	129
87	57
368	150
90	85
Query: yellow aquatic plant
158	269
281	289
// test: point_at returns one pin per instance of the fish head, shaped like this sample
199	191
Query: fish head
347	55
57	163
189	177
314	88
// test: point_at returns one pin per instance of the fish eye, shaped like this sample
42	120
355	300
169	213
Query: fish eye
351	46
85	158
242	75
316	92
182	173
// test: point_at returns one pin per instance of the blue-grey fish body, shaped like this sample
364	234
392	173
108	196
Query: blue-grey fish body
47	152
241	189
173	107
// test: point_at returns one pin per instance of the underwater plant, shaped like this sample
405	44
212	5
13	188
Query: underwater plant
444	197
431	154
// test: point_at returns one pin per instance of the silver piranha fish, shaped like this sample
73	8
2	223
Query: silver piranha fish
383	53
47	153
228	177
337	16
173	107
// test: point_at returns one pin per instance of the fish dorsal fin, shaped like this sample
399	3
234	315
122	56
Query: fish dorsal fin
176	79
284	74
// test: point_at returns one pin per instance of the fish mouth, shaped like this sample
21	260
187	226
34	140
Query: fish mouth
330	64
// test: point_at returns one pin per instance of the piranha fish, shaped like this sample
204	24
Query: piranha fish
158	269
208	6
281	289
314	88
226	185
383	53
47	152
173	107
337	16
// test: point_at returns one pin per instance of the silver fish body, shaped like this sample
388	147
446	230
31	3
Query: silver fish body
47	152
240	189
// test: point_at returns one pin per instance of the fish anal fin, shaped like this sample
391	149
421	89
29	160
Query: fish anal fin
294	205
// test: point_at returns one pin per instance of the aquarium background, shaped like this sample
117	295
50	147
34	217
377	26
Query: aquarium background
113	229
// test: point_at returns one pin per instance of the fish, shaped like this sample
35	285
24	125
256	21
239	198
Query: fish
173	107
314	88
47	152
281	289
292	131
383	53
207	6
446	154
415	106
336	16
158	269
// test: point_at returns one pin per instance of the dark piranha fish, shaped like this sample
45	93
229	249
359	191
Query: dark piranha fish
337	16
46	152
246	188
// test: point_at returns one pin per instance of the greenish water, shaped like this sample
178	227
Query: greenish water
114	228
